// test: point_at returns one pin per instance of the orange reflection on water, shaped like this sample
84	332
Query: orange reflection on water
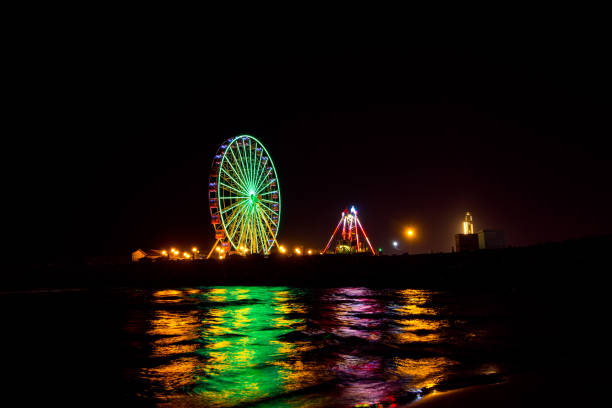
415	323
173	333
413	302
168	296
217	295
424	372
173	327
297	375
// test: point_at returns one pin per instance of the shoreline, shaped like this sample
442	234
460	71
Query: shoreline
566	264
519	390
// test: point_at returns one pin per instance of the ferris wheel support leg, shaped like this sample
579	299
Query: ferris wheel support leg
212	249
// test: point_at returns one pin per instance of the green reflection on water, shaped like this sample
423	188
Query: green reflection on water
242	353
231	350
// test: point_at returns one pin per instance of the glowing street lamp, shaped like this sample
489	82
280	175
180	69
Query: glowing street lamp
310	252
298	251
395	244
410	234
282	249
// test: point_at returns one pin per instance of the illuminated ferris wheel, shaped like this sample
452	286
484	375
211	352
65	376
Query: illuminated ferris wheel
244	197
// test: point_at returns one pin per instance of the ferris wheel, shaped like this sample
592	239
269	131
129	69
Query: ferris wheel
244	197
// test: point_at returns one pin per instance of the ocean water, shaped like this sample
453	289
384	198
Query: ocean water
263	346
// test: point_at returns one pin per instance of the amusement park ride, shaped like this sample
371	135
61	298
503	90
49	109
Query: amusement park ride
245	204
244	198
350	242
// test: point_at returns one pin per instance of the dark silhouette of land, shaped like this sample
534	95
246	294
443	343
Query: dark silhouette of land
565	263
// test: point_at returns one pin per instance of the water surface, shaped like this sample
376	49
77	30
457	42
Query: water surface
291	347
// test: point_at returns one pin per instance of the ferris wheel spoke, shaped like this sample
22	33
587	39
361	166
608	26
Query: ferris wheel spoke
261	174
240	167
233	216
241	212
231	188
269	229
235	212
250	225
241	229
244	163
268	192
262	235
242	202
266	170
256	165
263	229
243	226
238	174
251	161
270	210
271	221
261	184
246	228
255	232
233	179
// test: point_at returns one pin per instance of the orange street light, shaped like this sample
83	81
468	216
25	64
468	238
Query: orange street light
410	234
310	252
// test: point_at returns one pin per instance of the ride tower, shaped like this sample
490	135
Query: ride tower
353	238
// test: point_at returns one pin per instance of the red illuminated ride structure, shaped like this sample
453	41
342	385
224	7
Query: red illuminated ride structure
353	235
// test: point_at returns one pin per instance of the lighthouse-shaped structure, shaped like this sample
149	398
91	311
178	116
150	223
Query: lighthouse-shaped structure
352	238
468	225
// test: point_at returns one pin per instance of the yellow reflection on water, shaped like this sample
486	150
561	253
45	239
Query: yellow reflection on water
417	324
413	327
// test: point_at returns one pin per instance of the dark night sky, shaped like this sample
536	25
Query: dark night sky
409	135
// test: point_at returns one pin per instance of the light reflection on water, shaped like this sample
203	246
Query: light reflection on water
288	347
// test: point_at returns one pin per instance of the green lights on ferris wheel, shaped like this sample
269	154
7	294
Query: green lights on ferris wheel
244	196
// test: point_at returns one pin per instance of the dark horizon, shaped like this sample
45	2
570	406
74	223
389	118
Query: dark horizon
513	136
